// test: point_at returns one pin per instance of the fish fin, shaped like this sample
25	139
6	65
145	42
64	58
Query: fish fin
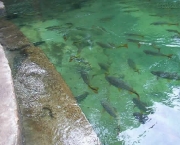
170	55
115	109
139	45
159	49
125	45
118	129
137	70
71	59
106	73
94	89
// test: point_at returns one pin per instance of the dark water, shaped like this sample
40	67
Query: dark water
106	51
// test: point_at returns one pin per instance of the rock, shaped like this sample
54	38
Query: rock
50	113
11	38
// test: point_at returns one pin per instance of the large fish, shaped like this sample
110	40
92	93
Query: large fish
111	111
82	97
141	105
104	45
166	75
104	67
38	43
134	35
138	42
132	65
149	52
85	78
120	84
173	31
51	28
164	23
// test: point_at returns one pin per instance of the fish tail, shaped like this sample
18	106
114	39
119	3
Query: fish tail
169	56
158	49
139	45
137	70
106	73
125	45
118	123
137	95
71	58
94	89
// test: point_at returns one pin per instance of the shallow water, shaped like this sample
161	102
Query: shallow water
81	37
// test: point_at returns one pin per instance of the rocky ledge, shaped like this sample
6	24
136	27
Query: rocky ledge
50	113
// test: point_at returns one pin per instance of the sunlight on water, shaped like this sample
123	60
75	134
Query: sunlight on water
123	52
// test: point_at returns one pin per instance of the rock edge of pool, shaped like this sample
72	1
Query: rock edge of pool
48	112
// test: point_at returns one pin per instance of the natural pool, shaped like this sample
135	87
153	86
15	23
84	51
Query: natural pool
110	54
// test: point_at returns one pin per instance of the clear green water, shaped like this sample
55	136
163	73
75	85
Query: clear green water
88	22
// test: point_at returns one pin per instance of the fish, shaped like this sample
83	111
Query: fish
98	30
149	52
135	41
38	43
155	47
104	66
104	45
111	111
142	118
81	97
174	31
141	105
134	35
51	28
132	65
82	29
82	44
86	81
107	19
69	25
166	75
110	45
164	23
129	11
120	84
122	45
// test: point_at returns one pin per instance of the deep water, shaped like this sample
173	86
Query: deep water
107	52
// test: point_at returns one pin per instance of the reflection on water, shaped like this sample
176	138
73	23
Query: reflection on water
123	52
162	128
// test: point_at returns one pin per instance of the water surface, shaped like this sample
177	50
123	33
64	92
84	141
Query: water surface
88	41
